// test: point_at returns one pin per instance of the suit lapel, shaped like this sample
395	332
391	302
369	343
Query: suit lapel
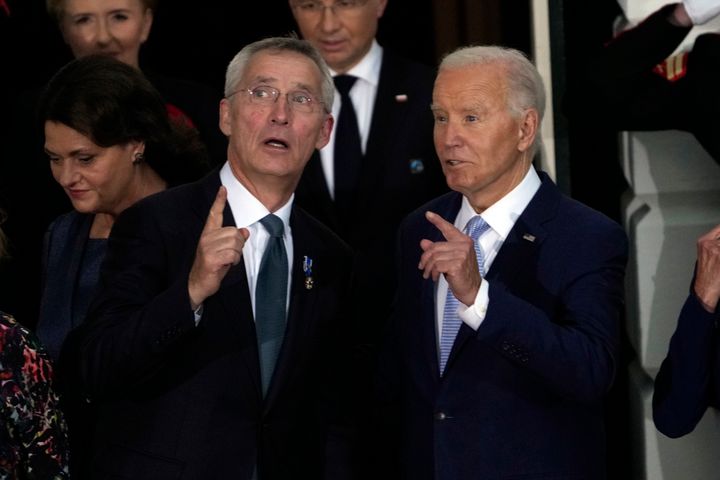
387	113
518	249
300	318
527	234
64	250
313	193
234	292
234	296
80	235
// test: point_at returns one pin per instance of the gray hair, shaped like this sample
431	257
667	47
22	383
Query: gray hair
525	85
236	68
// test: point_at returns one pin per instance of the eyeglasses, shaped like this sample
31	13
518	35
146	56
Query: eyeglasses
264	96
339	7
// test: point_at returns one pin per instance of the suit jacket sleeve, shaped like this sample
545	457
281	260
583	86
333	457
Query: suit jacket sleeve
142	311
563	326
683	386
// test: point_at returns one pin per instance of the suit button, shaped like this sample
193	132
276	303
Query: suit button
440	416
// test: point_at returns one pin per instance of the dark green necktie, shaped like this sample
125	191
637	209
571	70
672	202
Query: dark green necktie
270	298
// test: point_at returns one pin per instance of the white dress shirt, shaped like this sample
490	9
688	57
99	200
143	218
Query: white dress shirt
362	94
501	216
247	211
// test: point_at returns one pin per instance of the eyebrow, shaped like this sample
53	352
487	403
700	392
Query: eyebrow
92	14
260	79
271	80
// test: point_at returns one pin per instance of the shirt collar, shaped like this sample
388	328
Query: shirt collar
368	68
247	209
502	215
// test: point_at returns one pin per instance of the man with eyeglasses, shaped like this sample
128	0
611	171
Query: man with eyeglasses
363	195
216	345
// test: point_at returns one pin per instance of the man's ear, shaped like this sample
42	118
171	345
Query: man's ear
529	123
325	130
381	8
225	114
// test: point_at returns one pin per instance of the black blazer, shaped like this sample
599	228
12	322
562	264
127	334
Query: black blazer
521	397
400	171
180	401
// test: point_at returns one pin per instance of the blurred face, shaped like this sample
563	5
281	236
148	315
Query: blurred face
109	27
97	179
270	141
342	30
482	147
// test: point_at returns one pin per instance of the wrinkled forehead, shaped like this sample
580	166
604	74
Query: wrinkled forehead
282	68
481	82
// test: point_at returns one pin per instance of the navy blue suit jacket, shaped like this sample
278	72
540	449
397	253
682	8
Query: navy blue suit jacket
181	401
522	397
64	247
688	380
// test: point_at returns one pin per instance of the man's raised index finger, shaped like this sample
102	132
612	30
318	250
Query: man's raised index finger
215	217
448	230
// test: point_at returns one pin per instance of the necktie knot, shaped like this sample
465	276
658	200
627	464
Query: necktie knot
344	83
475	227
273	225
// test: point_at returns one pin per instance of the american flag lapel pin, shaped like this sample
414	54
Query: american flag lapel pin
528	237
401	98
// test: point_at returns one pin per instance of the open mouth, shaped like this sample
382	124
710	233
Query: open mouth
276	143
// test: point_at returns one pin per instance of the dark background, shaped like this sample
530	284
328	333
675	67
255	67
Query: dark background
196	40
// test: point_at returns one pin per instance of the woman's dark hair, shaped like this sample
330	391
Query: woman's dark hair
112	104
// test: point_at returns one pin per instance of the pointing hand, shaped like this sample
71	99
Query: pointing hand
455	258
219	249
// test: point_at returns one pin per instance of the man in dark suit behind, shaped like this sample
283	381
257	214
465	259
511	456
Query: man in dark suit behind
172	355
639	83
398	169
504	377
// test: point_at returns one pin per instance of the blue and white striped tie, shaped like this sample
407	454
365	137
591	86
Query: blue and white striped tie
451	320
